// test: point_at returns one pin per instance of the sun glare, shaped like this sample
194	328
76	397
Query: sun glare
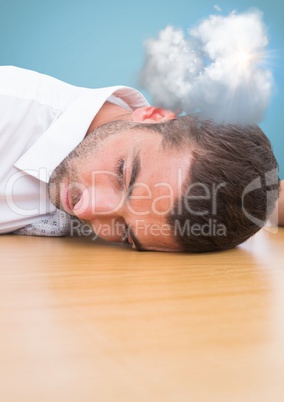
247	59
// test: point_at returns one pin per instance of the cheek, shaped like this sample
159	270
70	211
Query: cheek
101	164
156	200
162	205
164	197
138	206
95	172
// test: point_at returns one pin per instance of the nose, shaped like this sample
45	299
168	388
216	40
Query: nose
99	202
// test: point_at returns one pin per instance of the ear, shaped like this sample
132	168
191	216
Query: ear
151	114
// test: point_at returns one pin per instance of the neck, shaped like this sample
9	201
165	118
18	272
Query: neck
109	112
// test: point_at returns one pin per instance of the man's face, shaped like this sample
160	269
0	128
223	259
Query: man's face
123	184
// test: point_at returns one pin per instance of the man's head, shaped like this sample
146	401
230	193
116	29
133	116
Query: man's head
231	189
162	183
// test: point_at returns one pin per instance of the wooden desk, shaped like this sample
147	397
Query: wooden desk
81	322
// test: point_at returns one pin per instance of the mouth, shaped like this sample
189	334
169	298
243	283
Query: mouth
70	196
66	202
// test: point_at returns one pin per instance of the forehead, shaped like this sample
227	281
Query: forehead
162	162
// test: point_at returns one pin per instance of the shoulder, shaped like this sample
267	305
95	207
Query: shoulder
31	85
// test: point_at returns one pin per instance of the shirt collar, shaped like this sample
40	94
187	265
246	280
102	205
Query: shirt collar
70	128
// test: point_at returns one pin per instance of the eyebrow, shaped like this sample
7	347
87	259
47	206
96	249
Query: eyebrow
136	168
136	242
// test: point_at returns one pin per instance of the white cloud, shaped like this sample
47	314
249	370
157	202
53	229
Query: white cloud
217	70
217	8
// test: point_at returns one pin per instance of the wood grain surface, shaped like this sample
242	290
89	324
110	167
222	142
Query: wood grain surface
83	321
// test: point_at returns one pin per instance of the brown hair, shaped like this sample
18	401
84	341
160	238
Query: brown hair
232	185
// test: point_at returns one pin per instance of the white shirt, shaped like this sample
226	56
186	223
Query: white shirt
42	121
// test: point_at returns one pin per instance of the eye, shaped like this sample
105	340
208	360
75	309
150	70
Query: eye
120	171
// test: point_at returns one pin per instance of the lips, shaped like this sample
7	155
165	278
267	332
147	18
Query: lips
65	201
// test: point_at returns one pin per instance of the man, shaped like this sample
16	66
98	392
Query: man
130	171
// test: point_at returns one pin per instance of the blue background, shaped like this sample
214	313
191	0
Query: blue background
100	43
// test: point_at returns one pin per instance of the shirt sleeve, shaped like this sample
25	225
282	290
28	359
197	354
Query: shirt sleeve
58	224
